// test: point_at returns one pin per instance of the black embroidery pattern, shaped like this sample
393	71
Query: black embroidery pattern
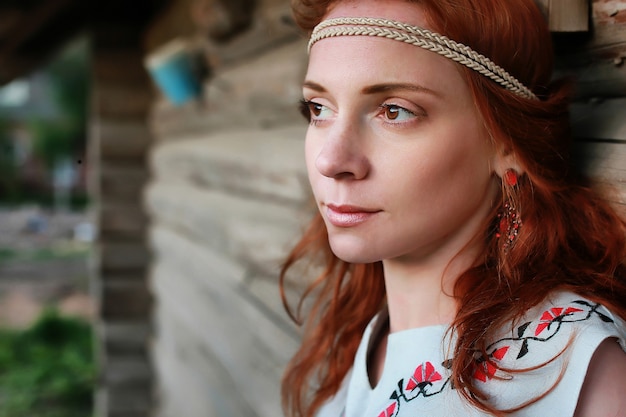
427	380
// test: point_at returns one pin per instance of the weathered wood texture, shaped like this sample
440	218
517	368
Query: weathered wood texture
566	15
225	208
227	199
569	15
599	114
119	139
596	59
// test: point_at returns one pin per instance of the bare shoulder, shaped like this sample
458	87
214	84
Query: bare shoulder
604	390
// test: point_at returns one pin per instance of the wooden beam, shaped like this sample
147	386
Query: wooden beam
601	120
568	15
597	63
30	24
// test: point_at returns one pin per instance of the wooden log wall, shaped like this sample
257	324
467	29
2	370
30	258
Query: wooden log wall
228	196
596	59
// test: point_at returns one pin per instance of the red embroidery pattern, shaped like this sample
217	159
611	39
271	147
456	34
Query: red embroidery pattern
424	375
554	315
388	411
486	368
427	380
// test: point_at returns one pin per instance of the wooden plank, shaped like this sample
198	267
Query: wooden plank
263	164
122	220
600	149
191	381
599	79
569	15
218	281
122	100
242	335
606	32
600	119
228	224
605	164
123	139
122	256
598	68
125	338
125	300
609	12
607	157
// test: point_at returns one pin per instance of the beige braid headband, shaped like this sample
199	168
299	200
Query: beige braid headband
367	26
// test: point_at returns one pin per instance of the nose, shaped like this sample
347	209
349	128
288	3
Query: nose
343	154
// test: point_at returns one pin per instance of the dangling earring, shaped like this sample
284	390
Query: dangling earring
509	221
510	177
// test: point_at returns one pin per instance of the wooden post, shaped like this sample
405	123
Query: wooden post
568	15
121	98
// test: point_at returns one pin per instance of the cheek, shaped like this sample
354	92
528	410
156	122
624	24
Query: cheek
447	171
465	147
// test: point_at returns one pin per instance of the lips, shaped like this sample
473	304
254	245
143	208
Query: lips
347	215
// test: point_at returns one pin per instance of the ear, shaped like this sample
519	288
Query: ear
505	159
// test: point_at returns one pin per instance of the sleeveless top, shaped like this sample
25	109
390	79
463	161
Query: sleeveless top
562	333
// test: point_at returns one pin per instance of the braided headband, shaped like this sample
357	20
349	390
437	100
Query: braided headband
383	28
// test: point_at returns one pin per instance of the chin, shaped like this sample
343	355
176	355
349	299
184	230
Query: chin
353	253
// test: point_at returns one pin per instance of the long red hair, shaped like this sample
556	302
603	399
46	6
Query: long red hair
571	237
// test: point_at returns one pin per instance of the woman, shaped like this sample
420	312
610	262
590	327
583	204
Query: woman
468	272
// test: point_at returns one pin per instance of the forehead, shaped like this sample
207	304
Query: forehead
400	10
354	63
357	62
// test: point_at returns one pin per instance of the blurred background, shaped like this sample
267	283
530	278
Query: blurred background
46	340
152	181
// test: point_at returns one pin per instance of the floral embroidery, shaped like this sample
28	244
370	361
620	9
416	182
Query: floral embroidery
424	375
554	315
486	368
427	381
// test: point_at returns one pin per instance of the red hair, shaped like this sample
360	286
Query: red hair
571	238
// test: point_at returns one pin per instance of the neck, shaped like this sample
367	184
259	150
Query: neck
420	294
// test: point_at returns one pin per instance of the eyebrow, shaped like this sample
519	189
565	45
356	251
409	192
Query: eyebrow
379	88
383	88
313	86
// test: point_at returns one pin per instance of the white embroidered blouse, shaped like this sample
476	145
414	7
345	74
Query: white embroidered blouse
563	333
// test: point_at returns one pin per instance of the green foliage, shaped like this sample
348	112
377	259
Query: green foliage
47	370
78	201
53	139
69	83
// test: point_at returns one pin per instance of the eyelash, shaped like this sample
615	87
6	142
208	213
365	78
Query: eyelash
305	109
398	109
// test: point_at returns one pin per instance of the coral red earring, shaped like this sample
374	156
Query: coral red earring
509	221
508	225
510	177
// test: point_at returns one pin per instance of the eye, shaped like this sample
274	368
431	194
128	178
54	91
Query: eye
313	111
396	113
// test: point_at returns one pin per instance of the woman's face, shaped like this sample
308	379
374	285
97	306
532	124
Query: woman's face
397	155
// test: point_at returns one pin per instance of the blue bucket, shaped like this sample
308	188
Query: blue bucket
172	69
